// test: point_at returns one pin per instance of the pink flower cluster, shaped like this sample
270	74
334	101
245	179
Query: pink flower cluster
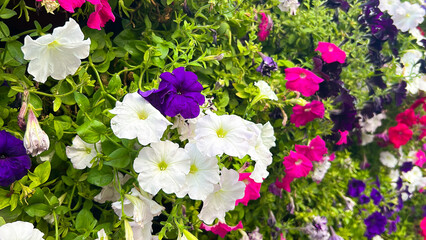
298	164
98	18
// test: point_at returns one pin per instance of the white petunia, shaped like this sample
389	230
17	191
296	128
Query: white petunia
265	90
320	169
289	6
109	192
414	179
389	5
137	118
215	135
366	138
415	32
410	71
102	235
20	231
57	54
162	166
203	174
370	125
388	159
186	127
142	208
223	199
407	16
82	153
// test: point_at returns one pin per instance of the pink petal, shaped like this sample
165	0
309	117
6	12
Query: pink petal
252	191
220	228
70	5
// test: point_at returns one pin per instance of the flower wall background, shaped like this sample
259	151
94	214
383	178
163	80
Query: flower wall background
212	119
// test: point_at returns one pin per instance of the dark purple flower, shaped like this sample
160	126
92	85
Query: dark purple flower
400	92
267	65
355	187
363	199
376	196
406	166
392	225
375	224
14	161
342	4
179	93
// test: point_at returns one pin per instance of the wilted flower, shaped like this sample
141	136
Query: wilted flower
317	230
265	26
14	161
50	5
289	6
267	65
36	140
20	231
82	153
58	54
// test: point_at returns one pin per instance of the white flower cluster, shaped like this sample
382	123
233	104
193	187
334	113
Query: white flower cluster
410	71
405	16
369	126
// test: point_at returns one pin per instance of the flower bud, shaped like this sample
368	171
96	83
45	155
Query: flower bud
36	140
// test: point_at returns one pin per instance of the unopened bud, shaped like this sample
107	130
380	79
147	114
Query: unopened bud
36	140
21	116
271	219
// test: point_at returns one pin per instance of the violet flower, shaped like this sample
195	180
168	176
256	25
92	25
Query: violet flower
406	167
376	196
355	187
392	225
179	93
267	65
14	161
376	224
363	199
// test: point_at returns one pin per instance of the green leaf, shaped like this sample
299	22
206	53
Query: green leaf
4	30
60	150
4	200
114	84
120	158
37	210
14	49
58	129
57	104
82	101
41	174
100	177
7	13
91	131
85	222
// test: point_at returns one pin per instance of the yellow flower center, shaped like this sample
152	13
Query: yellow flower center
193	169
302	75
162	166
53	44
298	162
142	115
221	133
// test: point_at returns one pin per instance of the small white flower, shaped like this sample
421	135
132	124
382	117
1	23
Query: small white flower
389	5
265	90
102	235
320	169
58	54
366	138
136	117
20	231
223	198
289	6
215	135
410	71
414	178
82	153
50	5
370	125
109	192
36	140
407	16
162	166
388	159
203	174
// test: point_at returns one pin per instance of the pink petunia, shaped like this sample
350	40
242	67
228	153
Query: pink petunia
220	228
314	151
330	52
399	135
408	117
304	114
302	80
265	27
297	165
343	137
252	191
421	158
284	183
101	15
423	227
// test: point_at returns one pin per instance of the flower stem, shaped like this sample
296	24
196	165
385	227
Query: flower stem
56	226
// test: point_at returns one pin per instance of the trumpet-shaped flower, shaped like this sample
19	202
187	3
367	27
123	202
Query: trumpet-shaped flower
330	52
162	166
399	135
136	117
20	231
314	151
223	134
109	192
203	174
388	159
101	15
302	80
36	140
223	198
265	90
297	165
407	16
14	161
57	54
82	153
304	114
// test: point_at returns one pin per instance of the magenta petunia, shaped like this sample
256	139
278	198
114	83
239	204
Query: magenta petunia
304	114
284	183
265	27
220	228
343	137
297	165
420	158
302	80
252	191
314	151
330	52
70	5
101	15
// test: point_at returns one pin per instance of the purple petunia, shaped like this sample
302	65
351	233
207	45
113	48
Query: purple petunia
406	166
363	199
14	161
376	224
355	187
267	65
179	93
376	196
